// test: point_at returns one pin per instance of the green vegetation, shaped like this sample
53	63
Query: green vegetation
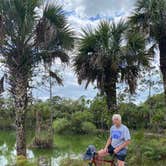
22	161
61	125
152	111
81	116
33	35
144	150
29	40
78	123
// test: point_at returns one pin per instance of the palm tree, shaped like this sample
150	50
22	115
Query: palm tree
30	38
109	54
149	18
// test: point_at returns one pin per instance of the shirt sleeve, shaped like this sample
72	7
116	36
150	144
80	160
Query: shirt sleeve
111	133
127	134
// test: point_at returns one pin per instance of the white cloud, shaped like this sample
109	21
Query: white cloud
104	7
77	23
85	12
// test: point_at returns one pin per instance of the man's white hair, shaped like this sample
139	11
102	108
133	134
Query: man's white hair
117	116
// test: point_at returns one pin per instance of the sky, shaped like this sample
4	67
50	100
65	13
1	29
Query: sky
82	13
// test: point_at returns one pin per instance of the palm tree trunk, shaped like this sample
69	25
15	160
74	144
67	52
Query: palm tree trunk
110	89
162	48
19	92
20	133
111	97
38	122
51	109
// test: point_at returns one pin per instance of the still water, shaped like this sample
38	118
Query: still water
65	146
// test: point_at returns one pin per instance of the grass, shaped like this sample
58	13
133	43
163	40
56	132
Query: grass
143	151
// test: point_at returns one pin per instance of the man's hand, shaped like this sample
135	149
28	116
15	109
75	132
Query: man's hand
106	149
107	144
116	150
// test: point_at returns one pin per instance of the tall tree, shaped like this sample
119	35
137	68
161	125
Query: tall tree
109	54
149	18
30	38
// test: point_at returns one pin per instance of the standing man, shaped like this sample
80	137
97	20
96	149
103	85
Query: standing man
117	142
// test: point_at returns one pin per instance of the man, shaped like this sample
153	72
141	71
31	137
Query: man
117	142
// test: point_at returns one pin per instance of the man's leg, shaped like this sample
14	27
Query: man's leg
100	154
120	163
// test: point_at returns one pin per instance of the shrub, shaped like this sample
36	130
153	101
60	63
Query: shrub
61	125
78	123
88	127
77	118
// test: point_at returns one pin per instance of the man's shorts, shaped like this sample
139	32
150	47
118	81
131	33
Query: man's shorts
121	155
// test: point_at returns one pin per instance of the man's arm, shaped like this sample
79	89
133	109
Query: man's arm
126	143
107	144
127	139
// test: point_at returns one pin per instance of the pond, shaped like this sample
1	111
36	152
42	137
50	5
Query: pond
66	146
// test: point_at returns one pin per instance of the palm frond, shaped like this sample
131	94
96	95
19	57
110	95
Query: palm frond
53	34
150	17
56	77
66	37
49	56
55	14
103	32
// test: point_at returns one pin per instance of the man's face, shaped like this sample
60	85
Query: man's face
116	122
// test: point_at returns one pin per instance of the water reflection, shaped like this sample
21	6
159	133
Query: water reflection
8	156
65	147
3	161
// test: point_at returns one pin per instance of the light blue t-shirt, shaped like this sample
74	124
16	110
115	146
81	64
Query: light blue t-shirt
119	135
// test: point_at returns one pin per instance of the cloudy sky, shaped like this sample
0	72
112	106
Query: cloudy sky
81	13
84	12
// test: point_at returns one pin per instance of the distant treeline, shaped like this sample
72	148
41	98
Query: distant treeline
84	116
